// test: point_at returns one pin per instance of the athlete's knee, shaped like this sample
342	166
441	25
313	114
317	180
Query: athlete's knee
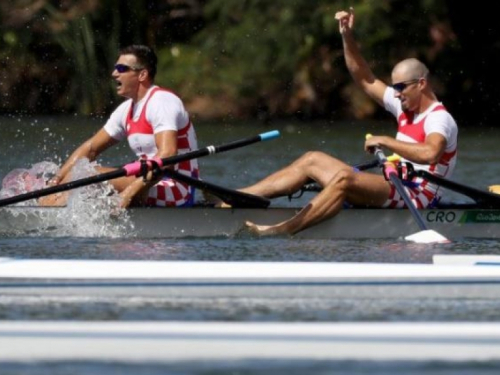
311	158
343	179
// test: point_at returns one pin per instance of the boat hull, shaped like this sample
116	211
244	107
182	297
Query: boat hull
454	222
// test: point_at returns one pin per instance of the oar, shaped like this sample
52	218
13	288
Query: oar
425	235
134	169
483	199
234	198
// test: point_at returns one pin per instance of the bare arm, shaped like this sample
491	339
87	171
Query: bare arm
166	143
90	149
428	152
355	62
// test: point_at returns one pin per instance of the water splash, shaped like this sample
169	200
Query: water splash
95	209
21	180
91	211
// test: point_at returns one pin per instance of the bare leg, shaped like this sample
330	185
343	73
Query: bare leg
324	205
346	185
313	165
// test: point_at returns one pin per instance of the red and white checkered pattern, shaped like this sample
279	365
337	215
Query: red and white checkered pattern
421	198
169	193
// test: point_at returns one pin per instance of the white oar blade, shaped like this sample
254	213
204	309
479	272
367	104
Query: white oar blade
427	236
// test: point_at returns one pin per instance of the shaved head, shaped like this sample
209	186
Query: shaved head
410	69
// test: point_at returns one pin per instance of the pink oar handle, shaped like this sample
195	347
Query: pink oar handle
389	169
134	169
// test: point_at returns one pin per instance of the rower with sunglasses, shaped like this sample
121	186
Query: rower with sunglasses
156	125
426	137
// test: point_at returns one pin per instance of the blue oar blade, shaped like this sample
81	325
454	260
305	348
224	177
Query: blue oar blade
269	135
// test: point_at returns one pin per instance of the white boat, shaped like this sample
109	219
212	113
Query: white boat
453	222
225	342
208	279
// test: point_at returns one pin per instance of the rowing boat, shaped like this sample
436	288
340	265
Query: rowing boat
453	221
219	279
227	344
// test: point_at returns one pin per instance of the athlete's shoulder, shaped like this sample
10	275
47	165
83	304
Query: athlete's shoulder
165	92
440	113
166	97
123	106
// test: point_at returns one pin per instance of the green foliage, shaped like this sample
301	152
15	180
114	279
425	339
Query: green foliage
283	57
256	51
65	52
250	50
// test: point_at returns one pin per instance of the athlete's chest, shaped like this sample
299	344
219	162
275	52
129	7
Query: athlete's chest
142	144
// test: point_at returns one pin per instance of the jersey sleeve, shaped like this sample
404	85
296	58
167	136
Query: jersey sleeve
391	104
115	126
166	111
443	123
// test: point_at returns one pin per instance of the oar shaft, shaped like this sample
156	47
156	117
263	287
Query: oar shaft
135	168
394	178
483	199
210	150
63	187
425	235
236	199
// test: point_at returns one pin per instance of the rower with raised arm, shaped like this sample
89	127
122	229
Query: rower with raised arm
156	125
426	136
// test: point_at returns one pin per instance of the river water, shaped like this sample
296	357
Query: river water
26	141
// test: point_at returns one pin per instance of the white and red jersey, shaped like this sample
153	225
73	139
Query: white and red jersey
158	111
414	129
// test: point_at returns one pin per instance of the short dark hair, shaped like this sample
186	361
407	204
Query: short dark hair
145	56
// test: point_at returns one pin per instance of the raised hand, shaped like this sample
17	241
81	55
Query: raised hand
346	20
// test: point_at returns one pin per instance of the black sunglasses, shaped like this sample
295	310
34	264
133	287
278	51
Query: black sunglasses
400	86
122	68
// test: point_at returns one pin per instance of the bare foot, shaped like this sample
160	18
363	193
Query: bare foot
263	230
216	201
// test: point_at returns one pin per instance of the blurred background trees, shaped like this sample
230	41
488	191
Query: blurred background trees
244	58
